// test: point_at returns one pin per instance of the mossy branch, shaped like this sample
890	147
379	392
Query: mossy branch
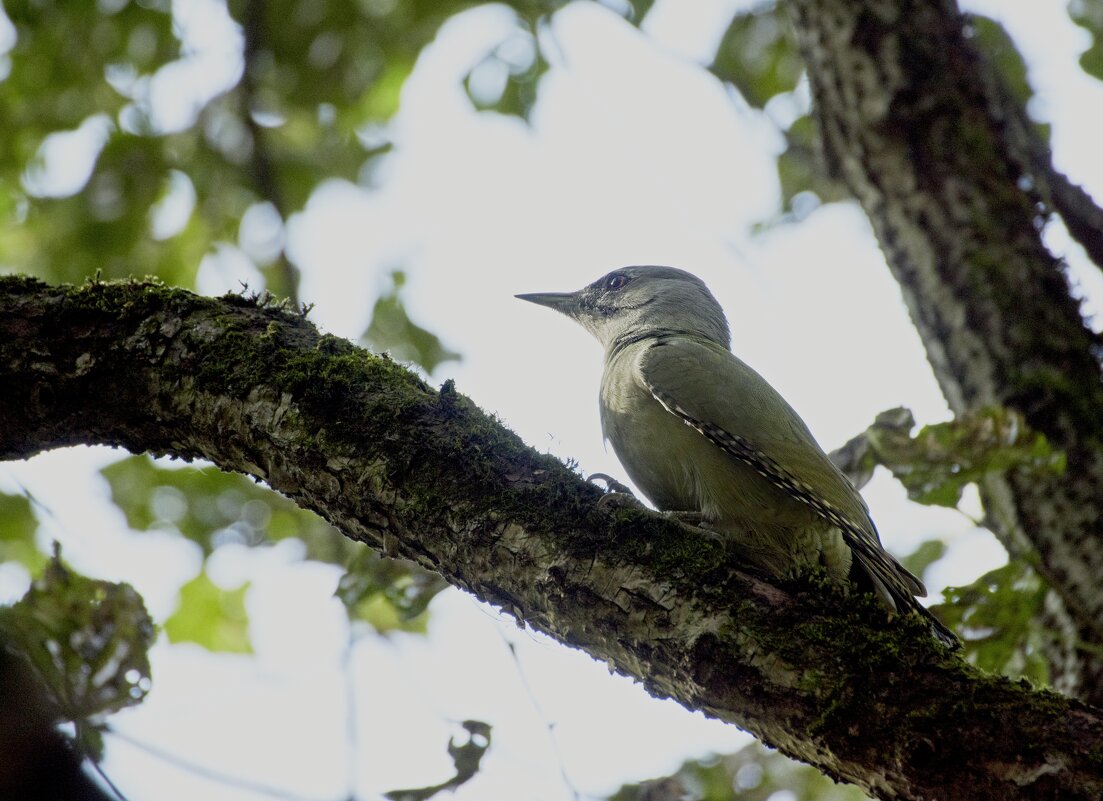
427	476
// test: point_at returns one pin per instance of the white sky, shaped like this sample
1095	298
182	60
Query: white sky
635	156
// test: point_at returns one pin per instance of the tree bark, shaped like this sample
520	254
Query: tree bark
421	474
910	122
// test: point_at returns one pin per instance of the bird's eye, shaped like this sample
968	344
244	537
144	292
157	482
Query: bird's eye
616	281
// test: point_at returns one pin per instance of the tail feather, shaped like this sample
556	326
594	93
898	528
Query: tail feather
896	586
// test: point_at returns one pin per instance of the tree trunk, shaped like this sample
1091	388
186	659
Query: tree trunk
825	678
950	177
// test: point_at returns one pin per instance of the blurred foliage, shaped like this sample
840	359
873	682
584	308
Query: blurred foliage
392	330
805	183
999	617
213	508
18	525
1088	14
138	135
758	55
754	773
388	594
924	556
939	461
86	639
466	757
997	45
211	616
506	80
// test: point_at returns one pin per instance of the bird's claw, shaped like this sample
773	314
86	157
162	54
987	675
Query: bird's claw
617	495
611	484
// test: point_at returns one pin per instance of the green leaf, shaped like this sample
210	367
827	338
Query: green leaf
1000	49
758	55
211	616
938	462
804	182
999	617
1088	14
18	525
315	94
753	773
998	46
388	594
392	330
924	556
86	639
466	757
211	508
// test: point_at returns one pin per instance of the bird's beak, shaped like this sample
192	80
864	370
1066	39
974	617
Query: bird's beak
565	302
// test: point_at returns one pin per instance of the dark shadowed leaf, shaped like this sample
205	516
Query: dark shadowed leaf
86	639
466	757
1000	619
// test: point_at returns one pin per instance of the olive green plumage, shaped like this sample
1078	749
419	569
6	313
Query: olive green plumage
699	431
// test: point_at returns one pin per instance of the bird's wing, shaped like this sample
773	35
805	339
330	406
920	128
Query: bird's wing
742	414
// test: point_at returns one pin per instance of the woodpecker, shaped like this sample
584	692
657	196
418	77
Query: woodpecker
703	435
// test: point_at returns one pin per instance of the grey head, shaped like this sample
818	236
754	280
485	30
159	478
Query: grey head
634	303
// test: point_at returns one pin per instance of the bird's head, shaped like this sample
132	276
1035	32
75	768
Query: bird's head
637	302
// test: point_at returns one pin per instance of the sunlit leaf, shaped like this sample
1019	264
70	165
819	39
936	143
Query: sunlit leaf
86	639
211	616
18	525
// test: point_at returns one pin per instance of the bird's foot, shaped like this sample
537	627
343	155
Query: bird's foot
617	495
611	484
698	521
689	518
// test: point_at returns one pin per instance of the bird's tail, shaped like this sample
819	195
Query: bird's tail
895	585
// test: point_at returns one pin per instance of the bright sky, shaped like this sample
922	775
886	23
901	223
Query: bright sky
635	156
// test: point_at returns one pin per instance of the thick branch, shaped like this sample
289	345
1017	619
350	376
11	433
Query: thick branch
906	122
426	476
